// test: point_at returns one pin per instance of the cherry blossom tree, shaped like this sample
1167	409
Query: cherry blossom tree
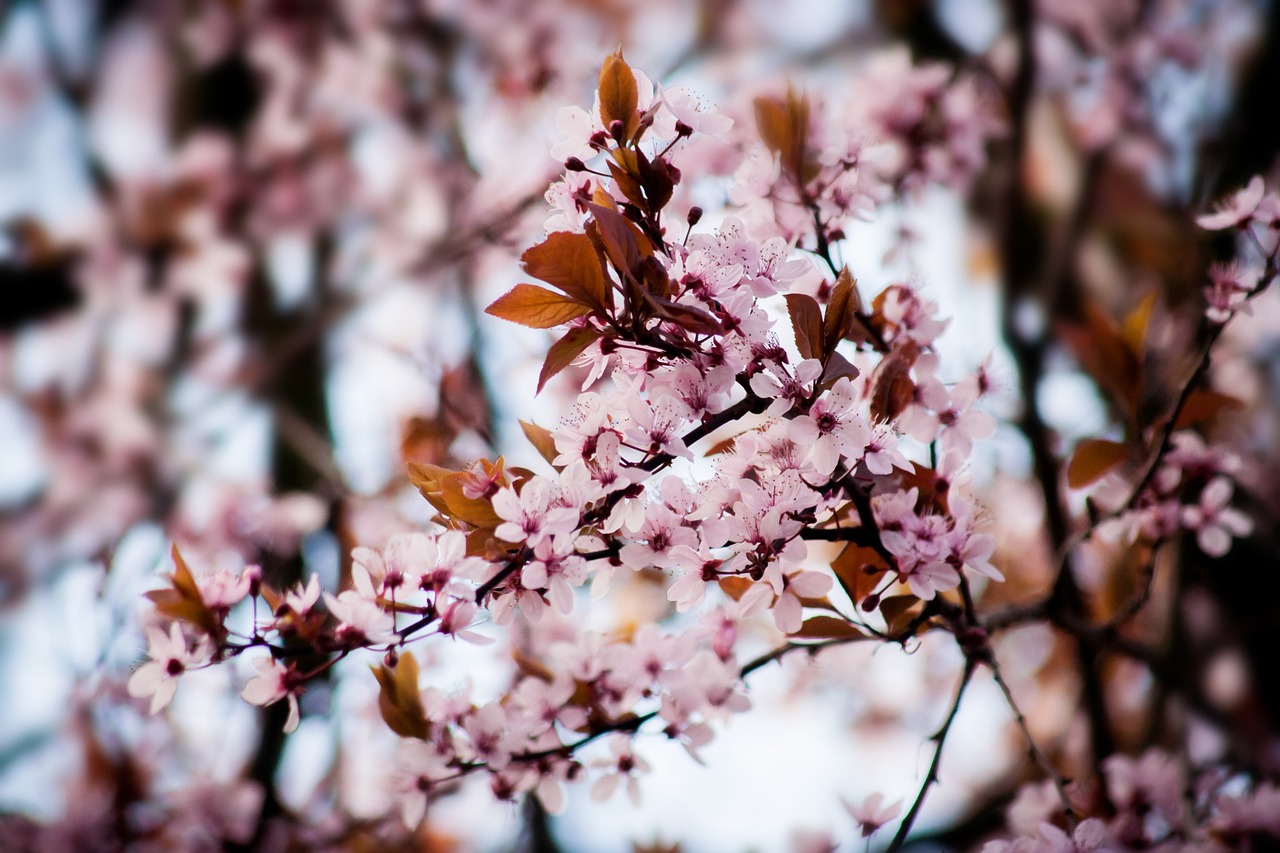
753	443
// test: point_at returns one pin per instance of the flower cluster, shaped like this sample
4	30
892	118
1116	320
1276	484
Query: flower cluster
904	127
835	424
1155	803
683	335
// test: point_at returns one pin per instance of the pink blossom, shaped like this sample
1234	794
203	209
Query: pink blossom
832	428
529	517
1235	210
421	766
360	621
787	609
662	531
300	600
490	739
1214	520
625	765
872	813
222	590
456	618
170	658
557	569
882	454
1228	291
1256	812
685	106
785	390
274	681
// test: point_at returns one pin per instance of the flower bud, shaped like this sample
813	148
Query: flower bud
695	216
575	164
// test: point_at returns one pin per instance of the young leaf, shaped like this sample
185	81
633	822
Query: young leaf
858	568
896	610
568	261
182	600
784	128
931	489
1093	458
735	587
892	387
842	308
627	182
530	665
564	351
623	242
540	438
1202	406
826	628
619	95
478	512
1107	357
428	480
658	181
399	701
1134	330
806	320
536	307
838	367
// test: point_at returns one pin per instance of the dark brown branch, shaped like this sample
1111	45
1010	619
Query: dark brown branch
939	739
857	535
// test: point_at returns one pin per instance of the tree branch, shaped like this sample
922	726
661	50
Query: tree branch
939	739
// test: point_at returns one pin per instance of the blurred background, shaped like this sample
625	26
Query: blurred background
244	250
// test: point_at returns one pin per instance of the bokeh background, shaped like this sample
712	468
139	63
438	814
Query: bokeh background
244	250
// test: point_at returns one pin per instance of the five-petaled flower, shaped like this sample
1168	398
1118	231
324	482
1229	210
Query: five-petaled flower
171	656
275	681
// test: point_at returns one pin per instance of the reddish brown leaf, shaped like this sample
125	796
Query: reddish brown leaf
627	182
619	95
429	481
822	603
931	489
531	666
826	628
897	611
735	587
564	351
478	512
183	581
569	262
1203	406
838	367
657	179
784	128
540	438
1093	458
182	601
536	307
622	241
892	387
806	320
1134	330
399	701
842	310
1107	357
859	569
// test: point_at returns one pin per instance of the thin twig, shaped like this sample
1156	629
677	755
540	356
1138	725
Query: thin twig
1037	754
939	739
